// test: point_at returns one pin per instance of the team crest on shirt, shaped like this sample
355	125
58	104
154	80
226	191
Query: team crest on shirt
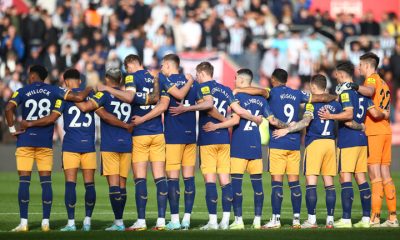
98	95
15	94
205	90
58	103
310	108
371	80
345	97
129	79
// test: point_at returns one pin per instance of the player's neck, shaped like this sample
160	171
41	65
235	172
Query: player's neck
369	73
113	85
174	72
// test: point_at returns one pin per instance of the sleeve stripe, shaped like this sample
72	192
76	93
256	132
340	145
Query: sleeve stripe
14	102
66	94
57	112
350	107
269	117
310	99
99	109
169	89
133	89
165	96
92	100
370	107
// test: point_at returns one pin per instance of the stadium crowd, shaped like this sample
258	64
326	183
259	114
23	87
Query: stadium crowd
257	34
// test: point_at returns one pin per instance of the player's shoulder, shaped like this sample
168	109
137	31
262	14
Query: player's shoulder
101	94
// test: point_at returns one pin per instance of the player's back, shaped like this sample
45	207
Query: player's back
285	106
381	99
115	139
246	139
144	83
348	137
222	97
181	129
37	101
79	127
321	129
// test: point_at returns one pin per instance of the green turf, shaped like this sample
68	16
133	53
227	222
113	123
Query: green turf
102	216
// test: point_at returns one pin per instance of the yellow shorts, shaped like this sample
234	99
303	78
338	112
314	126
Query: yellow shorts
320	158
178	155
73	160
284	162
352	159
148	148
240	165
380	149
215	158
113	163
27	155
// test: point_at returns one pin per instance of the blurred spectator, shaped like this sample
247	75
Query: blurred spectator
305	64
209	35
51	58
273	59
369	26
33	28
68	59
13	42
191	33
387	43
236	45
15	82
125	48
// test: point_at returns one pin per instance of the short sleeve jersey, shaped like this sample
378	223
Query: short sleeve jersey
37	100
246	140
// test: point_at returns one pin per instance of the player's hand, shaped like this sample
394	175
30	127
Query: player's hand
210	127
189	77
129	127
177	110
280	133
25	124
258	120
154	72
137	120
324	114
101	87
386	113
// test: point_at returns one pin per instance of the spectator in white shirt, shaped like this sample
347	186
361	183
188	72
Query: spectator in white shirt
191	31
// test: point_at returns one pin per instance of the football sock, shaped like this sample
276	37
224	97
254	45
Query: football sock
296	196
256	182
347	199
390	193
173	195
90	198
141	197
376	198
123	198
190	192
227	198
70	199
365	196
311	199
116	201
330	199
237	194
211	198
276	197
47	195
23	196
162	196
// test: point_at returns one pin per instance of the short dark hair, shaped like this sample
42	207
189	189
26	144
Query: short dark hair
319	80
114	74
72	73
132	58
173	58
280	75
371	58
205	67
247	72
40	71
346	67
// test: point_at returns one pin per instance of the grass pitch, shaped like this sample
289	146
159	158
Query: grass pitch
103	216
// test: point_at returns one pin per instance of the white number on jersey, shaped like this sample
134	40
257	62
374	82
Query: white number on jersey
325	132
44	108
249	124
220	106
147	90
288	110
74	123
360	107
121	109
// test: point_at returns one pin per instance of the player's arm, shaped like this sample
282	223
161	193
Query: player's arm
296	127
346	115
180	93
253	91
161	107
376	114
322	98
234	120
276	122
10	109
354	125
87	106
217	115
44	121
112	120
243	113
206	103
78	96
